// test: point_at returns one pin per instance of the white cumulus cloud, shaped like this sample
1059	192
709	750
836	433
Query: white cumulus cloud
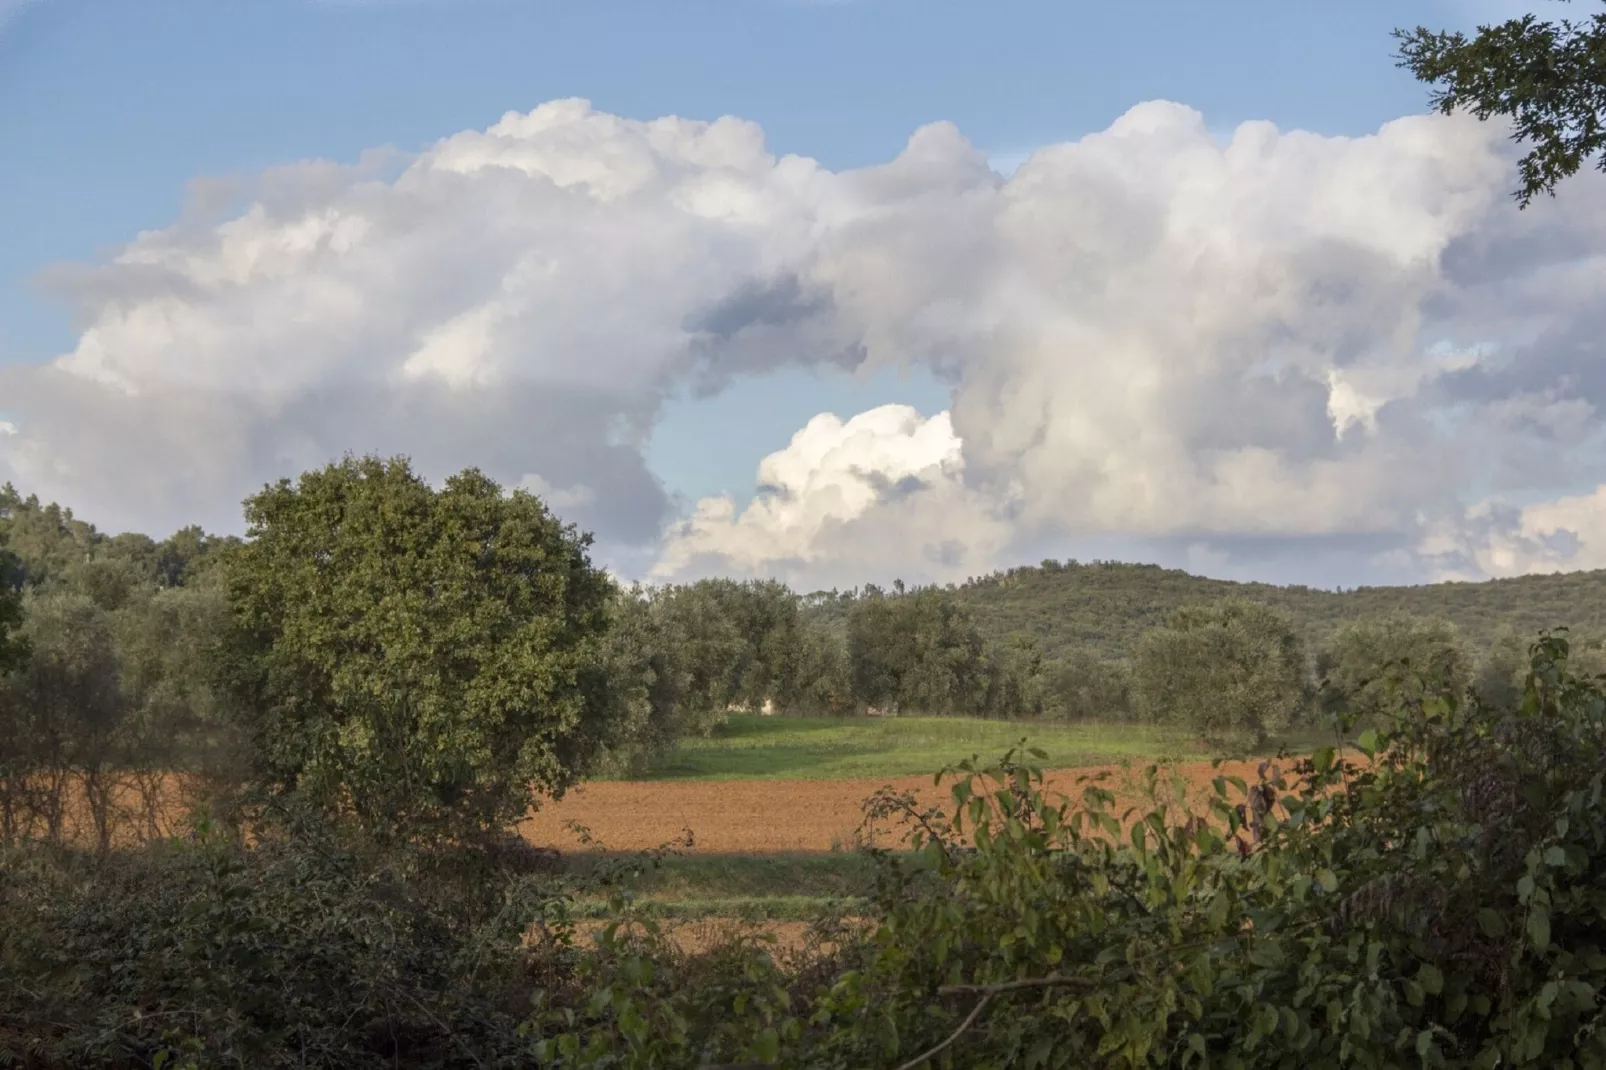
882	491
1230	346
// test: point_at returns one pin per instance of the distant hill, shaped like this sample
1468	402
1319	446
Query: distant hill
1106	607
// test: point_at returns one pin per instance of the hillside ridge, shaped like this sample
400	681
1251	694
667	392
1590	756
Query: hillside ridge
1106	606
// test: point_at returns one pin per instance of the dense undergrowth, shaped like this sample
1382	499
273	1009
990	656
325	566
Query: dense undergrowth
1438	900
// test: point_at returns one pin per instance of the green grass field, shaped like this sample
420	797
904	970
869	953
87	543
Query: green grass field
751	746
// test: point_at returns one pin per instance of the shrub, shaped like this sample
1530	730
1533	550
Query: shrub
297	952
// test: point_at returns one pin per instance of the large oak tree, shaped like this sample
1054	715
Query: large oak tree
427	660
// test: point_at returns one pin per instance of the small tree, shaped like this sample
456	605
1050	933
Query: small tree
730	641
168	643
1371	666
1501	670
61	716
918	650
1085	687
823	675
425	660
1234	673
1014	676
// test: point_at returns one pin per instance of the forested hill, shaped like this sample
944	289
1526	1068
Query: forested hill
1106	607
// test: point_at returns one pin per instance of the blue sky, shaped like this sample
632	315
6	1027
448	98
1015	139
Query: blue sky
111	108
112	112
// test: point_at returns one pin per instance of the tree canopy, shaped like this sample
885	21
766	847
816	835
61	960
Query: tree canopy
429	659
1233	672
1547	77
1370	666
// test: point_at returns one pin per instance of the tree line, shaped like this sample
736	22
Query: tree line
134	657
1104	608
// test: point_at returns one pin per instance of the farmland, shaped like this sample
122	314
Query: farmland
773	805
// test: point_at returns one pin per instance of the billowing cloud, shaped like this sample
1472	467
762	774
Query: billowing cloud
880	494
1215	347
1151	333
518	298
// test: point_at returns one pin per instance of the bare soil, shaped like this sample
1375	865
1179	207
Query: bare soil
729	816
759	816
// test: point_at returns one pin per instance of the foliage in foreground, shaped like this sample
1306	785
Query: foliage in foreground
295	952
1440	902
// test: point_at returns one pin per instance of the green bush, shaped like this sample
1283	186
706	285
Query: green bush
295	952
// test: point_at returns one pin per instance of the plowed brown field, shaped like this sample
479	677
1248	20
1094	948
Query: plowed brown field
728	816
755	816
